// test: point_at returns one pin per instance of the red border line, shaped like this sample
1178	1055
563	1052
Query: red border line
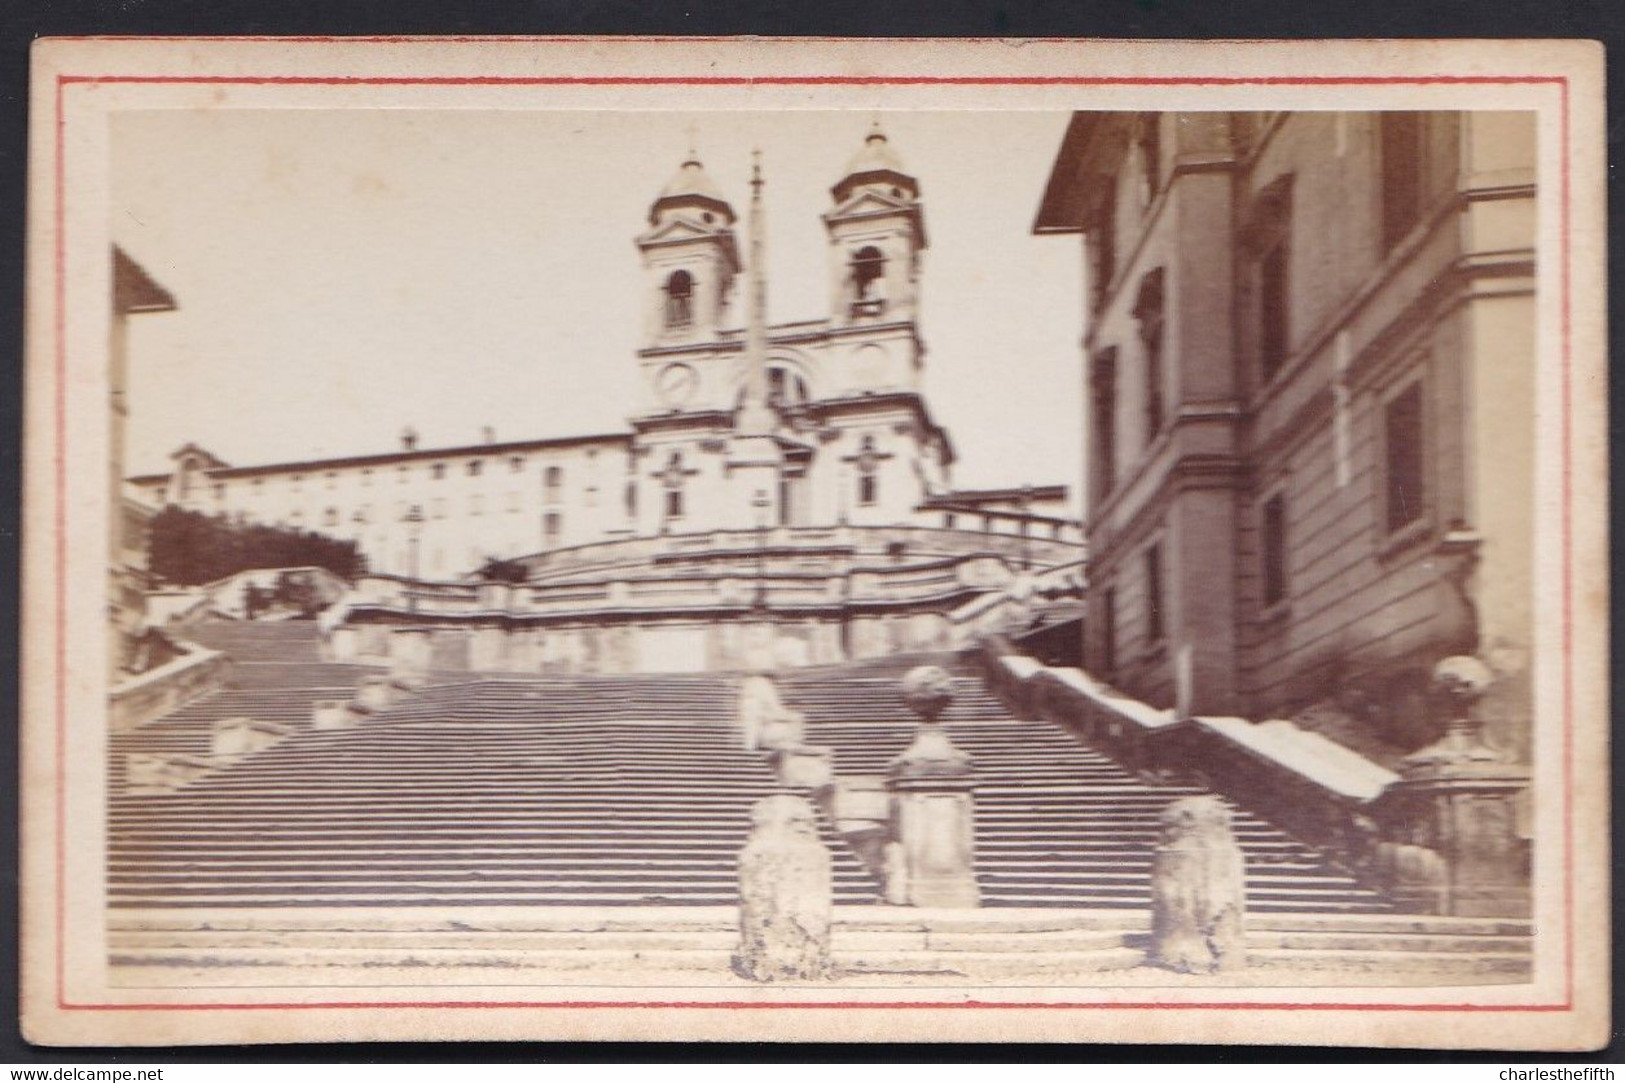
60	406
818	80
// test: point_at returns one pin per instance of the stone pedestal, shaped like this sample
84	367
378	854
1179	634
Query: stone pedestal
764	721
1455	841
933	805
1198	890
803	767
785	895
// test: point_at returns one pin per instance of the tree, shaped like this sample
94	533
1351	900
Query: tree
189	548
497	570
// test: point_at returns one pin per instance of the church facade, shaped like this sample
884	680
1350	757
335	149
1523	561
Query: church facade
842	432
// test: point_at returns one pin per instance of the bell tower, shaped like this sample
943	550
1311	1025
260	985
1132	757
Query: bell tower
876	232
690	260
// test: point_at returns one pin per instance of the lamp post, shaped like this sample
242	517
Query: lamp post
760	502
414	528
1023	503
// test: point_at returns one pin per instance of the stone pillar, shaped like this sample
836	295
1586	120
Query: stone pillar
1198	890
932	784
1454	844
785	895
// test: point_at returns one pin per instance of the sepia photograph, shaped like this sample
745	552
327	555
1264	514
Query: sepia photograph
852	548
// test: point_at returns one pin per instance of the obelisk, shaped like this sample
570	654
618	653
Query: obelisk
754	457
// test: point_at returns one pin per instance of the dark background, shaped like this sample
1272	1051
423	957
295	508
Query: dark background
23	20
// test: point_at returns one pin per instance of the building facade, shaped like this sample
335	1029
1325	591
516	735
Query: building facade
134	293
1310	347
739	426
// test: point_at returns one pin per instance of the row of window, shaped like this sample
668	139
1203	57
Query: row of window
866	285
1401	157
552	479
1404	495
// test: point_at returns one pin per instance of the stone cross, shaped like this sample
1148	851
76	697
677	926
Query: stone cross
1198	890
785	895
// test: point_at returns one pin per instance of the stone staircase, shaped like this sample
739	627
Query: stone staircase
490	792
870	945
611	790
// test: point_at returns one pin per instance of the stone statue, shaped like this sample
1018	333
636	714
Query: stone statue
1198	890
785	895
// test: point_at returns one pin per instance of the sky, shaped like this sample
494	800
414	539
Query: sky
343	274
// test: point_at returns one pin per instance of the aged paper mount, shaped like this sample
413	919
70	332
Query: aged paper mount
1269	624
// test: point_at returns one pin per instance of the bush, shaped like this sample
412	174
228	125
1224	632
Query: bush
189	548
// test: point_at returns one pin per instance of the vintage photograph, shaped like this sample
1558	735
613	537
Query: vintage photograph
561	552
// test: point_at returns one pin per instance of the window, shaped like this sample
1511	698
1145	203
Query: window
948	521
332	478
1399	158
1155	630
366	477
679	300
516	464
474	468
868	281
363	513
257	486
437	471
1148	310
672	477
552	525
296	482
330	517
1272	309
868	480
552	482
785	388
1103	392
1149	142
1108	633
1274	549
1269	245
1105	242
1403	435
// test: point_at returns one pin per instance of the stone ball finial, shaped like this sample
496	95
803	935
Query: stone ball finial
1462	677
927	690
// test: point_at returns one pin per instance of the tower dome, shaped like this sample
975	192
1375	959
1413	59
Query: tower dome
876	163
691	188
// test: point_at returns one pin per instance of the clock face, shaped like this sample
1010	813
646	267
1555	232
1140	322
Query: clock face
675	384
